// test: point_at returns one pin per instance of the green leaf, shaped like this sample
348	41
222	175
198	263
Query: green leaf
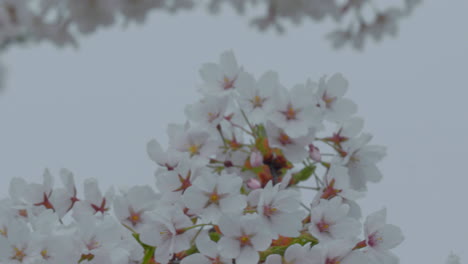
304	174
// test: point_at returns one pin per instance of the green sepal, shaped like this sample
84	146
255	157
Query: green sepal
215	236
272	250
259	131
149	253
137	238
191	250
305	238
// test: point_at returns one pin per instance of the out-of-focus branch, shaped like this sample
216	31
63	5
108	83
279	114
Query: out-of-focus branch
61	21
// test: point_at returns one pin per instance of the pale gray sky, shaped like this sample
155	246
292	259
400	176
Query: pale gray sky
92	110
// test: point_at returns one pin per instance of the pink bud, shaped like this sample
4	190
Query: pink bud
314	153
256	159
254	184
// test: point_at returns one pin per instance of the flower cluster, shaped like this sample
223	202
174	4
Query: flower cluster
229	187
58	21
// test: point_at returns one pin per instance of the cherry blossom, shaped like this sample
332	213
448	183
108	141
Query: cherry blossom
256	98
166	232
221	78
132	207
330	92
294	110
361	160
94	203
15	245
314	153
336	252
193	141
381	237
209	112
242	238
280	210
209	252
295	254
330	221
211	196
292	147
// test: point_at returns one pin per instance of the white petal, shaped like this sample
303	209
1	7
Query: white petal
195	259
228	247
194	198
248	256
230	225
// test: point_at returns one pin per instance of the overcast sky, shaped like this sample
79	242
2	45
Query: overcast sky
92	110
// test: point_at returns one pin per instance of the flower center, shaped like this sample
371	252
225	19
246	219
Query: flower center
337	138
194	149
269	211
257	101
19	254
330	191
374	240
23	212
328	100
212	116
333	261
284	139
245	240
45	202
135	217
214	198
228	83
102	208
3	232
44	254
184	182
215	260
93	244
290	113
323	226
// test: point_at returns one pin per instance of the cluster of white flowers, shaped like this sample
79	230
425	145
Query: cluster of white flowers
228	187
59	21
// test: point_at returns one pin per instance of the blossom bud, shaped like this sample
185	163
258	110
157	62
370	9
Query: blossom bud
254	184
256	159
314	153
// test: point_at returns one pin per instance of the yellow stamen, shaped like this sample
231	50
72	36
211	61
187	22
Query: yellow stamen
228	83
290	113
257	101
135	218
44	254
193	149
245	240
214	197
